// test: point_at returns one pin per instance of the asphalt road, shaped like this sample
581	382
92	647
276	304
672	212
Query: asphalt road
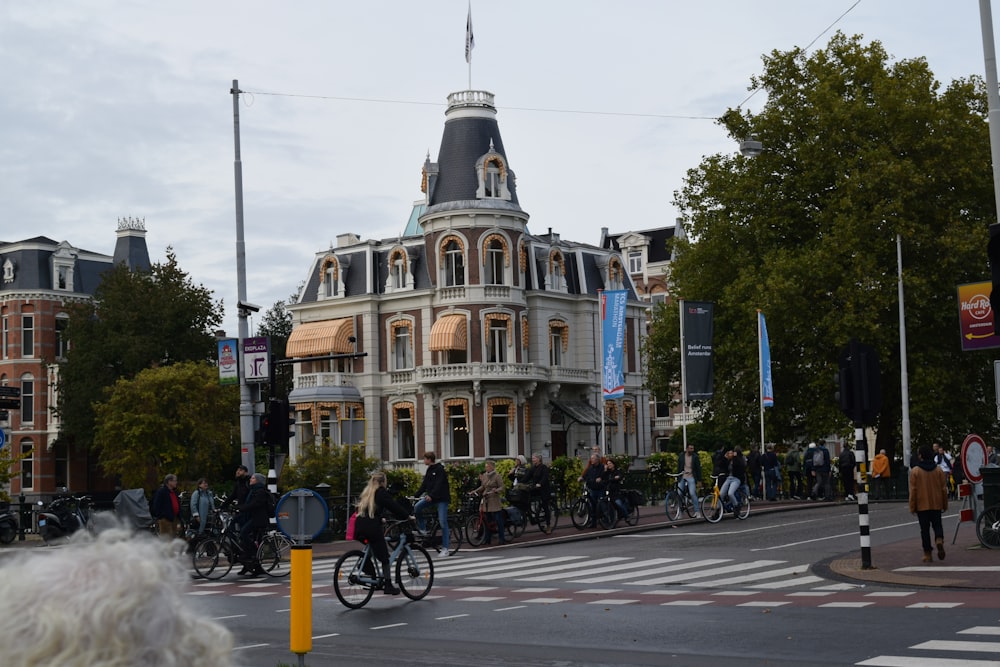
755	592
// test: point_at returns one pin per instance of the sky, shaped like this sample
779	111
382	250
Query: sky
122	108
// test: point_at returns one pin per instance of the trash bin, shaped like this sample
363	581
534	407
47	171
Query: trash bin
991	485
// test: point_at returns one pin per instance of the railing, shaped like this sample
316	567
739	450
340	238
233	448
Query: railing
313	380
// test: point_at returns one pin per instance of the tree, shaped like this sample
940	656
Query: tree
136	320
173	419
9	460
857	150
277	324
321	463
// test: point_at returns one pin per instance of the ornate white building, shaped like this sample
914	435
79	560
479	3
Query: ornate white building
475	337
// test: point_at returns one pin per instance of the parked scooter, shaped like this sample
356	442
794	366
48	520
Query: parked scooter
64	515
8	525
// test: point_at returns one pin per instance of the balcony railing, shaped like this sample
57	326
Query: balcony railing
313	380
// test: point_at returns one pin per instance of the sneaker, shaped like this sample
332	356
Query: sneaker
443	553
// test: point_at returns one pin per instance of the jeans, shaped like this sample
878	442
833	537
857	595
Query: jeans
730	487
771	483
821	489
691	485
442	510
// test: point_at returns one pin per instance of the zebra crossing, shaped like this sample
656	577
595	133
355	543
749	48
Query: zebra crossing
979	646
665	581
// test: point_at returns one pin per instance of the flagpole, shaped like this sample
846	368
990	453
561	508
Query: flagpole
470	43
760	370
684	421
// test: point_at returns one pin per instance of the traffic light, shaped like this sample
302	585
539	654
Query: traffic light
280	424
993	252
860	386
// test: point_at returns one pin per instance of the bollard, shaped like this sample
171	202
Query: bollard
300	619
23	517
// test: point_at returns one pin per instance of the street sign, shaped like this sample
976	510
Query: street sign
7	402
973	457
3	438
10	391
302	515
256	359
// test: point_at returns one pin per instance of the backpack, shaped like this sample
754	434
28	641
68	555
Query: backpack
819	460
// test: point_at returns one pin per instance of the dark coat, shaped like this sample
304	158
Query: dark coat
162	507
370	528
538	476
256	509
695	465
435	484
590	476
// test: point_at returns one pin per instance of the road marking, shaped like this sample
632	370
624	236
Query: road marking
981	630
547	600
934	605
255	594
763	603
810	594
448	618
949	645
676	567
829	537
890	594
332	634
386	627
492	568
520	606
845	605
905	661
482	598
205	592
534	590
226	618
613	602
788	583
243	648
755	576
711	572
686	603
475	589
735	593
599	591
562	568
949	568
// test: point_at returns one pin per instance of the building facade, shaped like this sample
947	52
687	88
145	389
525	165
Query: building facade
41	278
466	335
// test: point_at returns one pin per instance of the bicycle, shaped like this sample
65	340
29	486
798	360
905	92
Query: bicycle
679	499
612	508
533	510
475	529
713	505
988	527
456	533
214	557
579	511
357	573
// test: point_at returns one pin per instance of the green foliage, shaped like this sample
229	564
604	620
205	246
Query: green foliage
9	468
462	478
136	321
277	325
406	479
857	150
565	472
173	419
327	464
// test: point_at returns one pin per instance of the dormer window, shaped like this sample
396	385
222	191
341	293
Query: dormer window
634	262
616	274
330	283
557	272
492	172
399	272
62	267
8	271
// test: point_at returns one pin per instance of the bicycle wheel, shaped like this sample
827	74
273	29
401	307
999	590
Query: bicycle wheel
515	529
711	508
415	572
7	533
674	504
350	591
554	513
743	511
607	514
580	513
475	531
455	535
988	527
632	517
275	555
688	502
206	557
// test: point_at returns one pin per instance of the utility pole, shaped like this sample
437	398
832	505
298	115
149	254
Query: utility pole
242	308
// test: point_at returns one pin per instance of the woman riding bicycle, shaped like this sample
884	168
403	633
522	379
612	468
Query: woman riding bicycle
736	477
374	501
613	483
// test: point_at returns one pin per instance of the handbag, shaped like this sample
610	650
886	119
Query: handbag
350	526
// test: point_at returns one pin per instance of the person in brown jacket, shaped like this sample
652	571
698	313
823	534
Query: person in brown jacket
491	487
928	499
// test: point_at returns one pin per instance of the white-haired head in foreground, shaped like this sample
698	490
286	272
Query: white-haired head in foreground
115	600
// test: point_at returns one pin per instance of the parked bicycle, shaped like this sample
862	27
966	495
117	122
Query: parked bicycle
214	557
679	499
358	573
532	507
475	530
579	511
714	505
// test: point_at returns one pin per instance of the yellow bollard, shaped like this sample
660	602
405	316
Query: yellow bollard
300	619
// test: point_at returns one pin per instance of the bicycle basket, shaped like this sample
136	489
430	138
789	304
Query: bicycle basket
518	496
635	497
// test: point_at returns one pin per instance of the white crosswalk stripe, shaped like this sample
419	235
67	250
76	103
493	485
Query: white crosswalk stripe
989	652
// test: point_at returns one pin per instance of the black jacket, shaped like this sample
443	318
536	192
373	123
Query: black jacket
538	476
368	528
435	484
256	509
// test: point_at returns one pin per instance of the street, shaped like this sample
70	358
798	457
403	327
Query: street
749	592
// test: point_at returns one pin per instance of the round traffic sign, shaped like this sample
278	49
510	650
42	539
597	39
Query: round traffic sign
973	457
302	514
3	438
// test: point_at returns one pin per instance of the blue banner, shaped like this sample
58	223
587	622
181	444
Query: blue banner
766	385
613	337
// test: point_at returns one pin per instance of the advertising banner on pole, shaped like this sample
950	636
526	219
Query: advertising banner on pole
975	317
697	357
613	338
229	371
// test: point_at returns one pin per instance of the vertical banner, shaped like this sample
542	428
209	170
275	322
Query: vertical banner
766	385
613	339
229	371
698	350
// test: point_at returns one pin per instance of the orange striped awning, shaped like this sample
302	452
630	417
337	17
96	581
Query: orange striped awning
315	339
448	333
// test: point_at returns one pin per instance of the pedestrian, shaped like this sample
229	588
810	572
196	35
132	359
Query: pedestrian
434	492
992	458
116	599
254	520
593	481
845	464
881	474
755	466
538	481
689	468
166	508
928	499
821	471
772	473
202	506
793	466
374	503
490	488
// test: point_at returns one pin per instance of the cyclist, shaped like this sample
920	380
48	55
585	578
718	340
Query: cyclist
593	480
374	501
689	465
434	492
537	480
613	484
736	476
253	520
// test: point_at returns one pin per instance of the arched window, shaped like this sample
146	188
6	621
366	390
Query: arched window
500	418
456	412
557	271
453	261
616	274
401	332
496	257
558	342
404	430
329	278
